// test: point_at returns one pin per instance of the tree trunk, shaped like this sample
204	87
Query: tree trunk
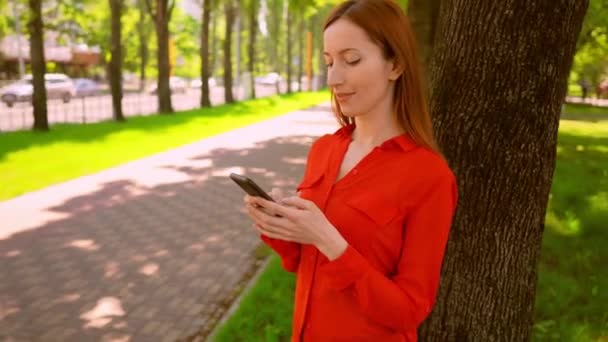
288	16
205	101
143	45
214	48
164	68
38	65
301	39
116	60
496	98
229	8
424	14
253	29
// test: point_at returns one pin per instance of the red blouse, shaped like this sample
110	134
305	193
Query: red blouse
394	208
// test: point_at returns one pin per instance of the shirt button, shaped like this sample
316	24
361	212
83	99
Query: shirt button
355	172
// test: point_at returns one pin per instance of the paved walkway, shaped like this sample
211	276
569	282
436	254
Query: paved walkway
151	250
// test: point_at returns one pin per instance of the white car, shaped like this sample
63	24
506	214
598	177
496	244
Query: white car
269	79
58	86
176	85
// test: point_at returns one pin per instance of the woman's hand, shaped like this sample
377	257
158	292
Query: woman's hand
298	220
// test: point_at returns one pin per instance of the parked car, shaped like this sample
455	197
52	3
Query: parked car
58	86
176	85
197	83
86	87
269	79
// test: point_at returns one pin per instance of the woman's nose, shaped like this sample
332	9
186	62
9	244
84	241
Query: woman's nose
335	76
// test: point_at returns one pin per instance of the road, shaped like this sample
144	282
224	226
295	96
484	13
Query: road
99	108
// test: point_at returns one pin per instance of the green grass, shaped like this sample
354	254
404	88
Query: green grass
33	160
572	288
265	312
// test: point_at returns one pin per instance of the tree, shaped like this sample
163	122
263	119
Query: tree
253	29
496	99
116	60
288	18
230	13
423	14
38	64
143	35
205	74
161	14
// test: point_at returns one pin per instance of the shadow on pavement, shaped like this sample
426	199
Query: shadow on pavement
139	262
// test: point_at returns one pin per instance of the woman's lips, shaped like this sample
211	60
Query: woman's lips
344	96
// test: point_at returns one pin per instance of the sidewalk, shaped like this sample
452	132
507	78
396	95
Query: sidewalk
151	250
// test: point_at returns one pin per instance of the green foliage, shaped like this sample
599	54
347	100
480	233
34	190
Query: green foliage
590	61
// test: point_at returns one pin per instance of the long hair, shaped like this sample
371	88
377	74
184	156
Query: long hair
389	28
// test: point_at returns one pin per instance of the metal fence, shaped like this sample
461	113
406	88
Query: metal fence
99	108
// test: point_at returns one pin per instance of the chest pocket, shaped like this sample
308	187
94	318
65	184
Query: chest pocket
377	208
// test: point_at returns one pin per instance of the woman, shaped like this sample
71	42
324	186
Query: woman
367	233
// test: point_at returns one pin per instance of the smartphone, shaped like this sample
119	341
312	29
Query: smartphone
250	186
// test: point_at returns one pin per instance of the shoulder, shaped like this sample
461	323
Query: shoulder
428	172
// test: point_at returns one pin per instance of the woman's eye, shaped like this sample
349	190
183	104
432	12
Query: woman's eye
355	62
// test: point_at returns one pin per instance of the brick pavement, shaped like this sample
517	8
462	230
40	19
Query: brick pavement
151	250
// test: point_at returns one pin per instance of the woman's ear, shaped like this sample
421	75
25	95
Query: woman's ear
395	71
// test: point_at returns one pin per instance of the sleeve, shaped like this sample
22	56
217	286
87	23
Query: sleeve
401	302
290	251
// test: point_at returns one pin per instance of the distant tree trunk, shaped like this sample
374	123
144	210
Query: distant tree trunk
229	9
423	15
161	15
496	98
253	29
205	101
301	38
38	64
144	52
214	48
116	60
288	17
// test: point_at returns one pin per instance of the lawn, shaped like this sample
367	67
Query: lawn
571	296
33	160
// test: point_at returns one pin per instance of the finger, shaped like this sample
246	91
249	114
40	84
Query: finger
276	208
266	219
297	202
276	194
274	234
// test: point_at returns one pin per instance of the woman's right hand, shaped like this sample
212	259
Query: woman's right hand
276	193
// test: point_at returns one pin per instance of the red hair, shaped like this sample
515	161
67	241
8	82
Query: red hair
389	28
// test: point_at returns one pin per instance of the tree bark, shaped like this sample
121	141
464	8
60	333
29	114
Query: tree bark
423	15
229	9
288	17
142	33
116	60
301	40
499	75
253	28
161	15
205	101
38	64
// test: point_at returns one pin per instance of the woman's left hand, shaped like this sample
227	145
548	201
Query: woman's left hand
300	221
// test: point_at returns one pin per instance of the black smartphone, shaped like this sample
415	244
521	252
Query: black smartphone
250	186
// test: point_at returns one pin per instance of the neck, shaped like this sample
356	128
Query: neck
373	130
